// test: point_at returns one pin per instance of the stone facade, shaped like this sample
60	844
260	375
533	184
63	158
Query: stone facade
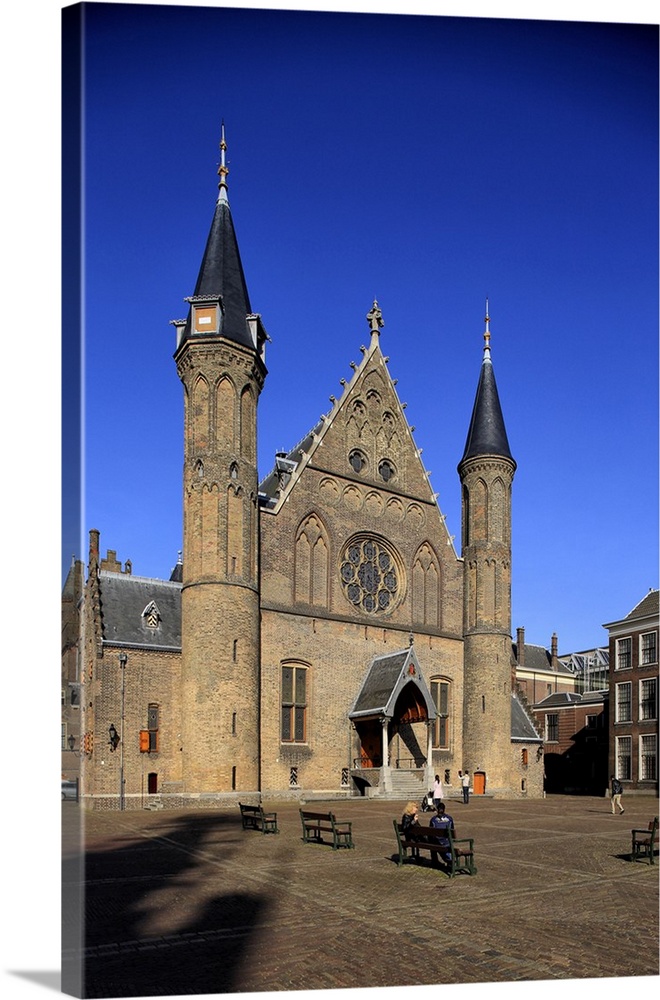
291	592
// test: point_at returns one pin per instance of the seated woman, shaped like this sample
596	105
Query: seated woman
410	818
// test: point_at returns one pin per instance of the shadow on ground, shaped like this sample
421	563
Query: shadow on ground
118	956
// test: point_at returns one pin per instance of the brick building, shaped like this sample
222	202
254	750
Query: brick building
634	696
71	712
539	672
246	672
575	741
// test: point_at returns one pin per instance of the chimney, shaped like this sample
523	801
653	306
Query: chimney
94	536
553	651
521	646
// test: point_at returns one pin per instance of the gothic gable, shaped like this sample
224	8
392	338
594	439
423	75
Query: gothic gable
350	523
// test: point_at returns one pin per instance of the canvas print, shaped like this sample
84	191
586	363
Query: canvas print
359	577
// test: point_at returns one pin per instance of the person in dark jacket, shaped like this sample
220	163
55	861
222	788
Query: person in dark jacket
617	792
442	822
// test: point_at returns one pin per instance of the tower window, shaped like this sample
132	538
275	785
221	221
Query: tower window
149	736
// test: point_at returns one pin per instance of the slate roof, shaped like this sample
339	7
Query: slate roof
270	485
487	433
649	605
522	727
123	601
539	658
560	699
386	677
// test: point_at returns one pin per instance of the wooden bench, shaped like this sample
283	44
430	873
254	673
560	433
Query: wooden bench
314	824
643	842
421	838
254	818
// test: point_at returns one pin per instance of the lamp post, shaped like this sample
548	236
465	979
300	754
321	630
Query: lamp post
123	659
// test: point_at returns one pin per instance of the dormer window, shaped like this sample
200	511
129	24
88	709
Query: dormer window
151	615
206	315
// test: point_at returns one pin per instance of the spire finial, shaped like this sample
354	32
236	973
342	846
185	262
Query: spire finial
223	169
487	333
375	318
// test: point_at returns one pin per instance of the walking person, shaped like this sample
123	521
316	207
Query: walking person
465	784
616	793
438	792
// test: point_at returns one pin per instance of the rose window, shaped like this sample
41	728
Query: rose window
369	576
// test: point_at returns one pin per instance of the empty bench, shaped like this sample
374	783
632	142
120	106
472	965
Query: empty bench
254	818
315	824
424	838
643	842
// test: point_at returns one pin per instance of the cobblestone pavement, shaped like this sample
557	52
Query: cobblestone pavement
186	902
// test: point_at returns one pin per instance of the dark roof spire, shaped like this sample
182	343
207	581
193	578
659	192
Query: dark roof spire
487	433
221	271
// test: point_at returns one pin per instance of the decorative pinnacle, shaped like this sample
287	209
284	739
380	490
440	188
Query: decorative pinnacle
375	318
487	333
223	169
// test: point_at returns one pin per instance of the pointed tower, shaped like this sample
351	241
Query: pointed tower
486	472
220	361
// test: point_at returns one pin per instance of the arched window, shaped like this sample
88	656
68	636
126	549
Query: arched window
312	554
294	702
441	694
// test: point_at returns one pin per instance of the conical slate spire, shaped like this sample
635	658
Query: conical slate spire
487	433
221	271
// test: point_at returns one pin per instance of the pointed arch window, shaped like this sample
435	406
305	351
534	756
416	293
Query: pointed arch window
311	563
441	694
294	702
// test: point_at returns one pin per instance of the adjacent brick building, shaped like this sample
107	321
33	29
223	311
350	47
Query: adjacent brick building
634	696
245	672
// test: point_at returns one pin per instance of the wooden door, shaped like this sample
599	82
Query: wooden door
479	782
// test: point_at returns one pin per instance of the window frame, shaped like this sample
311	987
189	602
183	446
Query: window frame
442	723
643	662
648	757
552	726
619	701
296	707
617	653
651	700
620	755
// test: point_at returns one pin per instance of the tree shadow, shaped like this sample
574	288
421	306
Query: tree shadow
130	886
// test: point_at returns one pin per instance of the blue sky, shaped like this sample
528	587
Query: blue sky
429	162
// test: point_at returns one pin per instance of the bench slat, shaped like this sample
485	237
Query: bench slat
315	823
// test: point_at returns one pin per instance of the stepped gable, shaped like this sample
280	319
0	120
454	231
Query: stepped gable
522	726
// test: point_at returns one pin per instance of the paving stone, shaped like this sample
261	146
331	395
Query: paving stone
186	902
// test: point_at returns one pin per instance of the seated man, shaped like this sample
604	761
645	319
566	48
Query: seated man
442	822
